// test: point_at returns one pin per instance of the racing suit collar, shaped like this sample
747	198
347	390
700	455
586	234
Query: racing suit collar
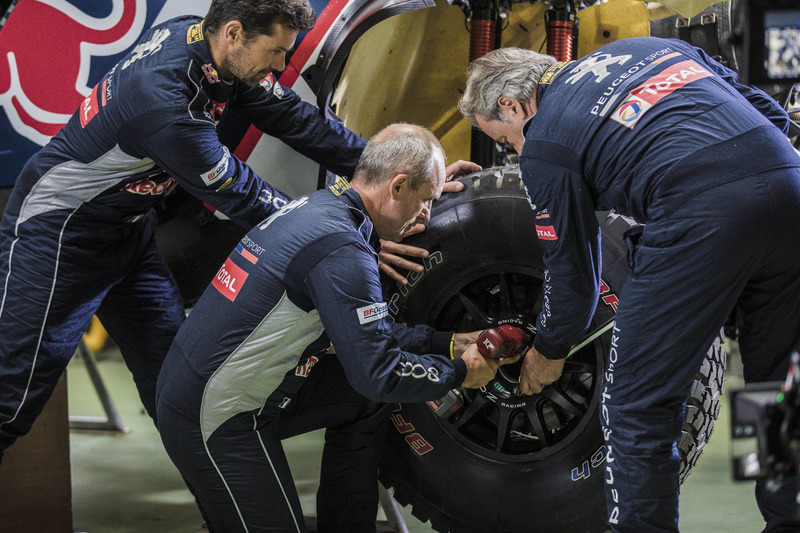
541	89
197	43
367	229
199	51
526	126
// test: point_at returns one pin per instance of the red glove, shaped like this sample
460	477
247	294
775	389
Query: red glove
502	341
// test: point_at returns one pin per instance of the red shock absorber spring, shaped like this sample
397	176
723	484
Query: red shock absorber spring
559	21
482	38
559	39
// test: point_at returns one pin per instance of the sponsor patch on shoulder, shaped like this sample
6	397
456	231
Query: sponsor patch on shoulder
550	74
195	33
339	186
372	312
213	175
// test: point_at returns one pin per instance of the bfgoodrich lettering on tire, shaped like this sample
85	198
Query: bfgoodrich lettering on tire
507	462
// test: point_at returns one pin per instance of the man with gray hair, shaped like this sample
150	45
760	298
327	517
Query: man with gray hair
250	364
661	132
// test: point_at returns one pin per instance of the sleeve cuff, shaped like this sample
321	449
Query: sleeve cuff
460	368
551	351
440	342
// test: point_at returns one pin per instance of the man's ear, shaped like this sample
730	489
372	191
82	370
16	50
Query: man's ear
233	31
399	185
506	104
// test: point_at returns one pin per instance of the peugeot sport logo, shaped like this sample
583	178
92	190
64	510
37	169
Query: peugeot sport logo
597	65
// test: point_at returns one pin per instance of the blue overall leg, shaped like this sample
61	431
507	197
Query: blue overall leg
51	287
240	472
734	243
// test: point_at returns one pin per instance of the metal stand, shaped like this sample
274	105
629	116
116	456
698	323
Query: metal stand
112	422
394	519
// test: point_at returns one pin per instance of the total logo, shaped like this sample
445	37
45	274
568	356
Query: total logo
630	110
656	88
229	280
546	233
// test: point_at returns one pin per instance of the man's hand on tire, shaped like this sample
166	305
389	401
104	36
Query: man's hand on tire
456	170
391	256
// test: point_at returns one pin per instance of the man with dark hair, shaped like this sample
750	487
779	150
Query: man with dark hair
77	235
249	366
663	133
259	18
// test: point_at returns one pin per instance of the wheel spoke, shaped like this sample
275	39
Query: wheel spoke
487	299
473	409
537	422
474	310
506	299
503	424
560	398
578	367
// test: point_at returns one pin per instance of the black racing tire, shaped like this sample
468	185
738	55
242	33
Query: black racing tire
505	462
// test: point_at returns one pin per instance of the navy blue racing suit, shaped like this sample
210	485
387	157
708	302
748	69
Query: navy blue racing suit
77	234
661	132
249	367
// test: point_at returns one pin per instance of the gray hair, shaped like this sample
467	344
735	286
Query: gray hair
510	72
399	148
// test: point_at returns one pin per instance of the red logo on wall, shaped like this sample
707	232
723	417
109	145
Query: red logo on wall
37	101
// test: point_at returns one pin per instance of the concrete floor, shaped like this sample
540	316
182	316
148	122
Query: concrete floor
126	483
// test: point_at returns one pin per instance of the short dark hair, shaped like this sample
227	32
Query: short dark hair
259	16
